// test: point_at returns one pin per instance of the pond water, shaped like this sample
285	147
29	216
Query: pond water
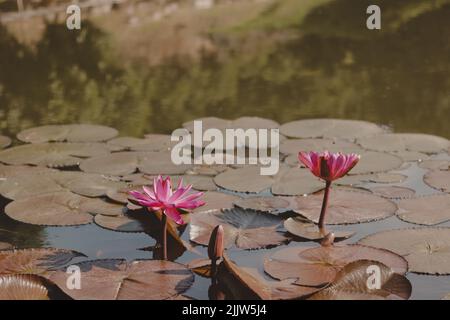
288	62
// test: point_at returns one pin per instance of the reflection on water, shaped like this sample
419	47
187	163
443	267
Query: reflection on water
332	67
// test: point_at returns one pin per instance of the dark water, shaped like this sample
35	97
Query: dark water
331	66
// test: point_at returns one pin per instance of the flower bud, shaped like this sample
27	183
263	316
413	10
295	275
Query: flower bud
215	246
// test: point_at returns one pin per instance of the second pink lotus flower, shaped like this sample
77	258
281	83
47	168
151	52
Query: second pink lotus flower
162	198
329	167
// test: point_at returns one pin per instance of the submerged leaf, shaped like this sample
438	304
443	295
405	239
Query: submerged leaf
119	280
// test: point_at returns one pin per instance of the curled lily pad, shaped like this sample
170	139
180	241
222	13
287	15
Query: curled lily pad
330	128
310	231
435	164
59	209
438	179
405	141
260	287
426	249
243	229
69	133
319	266
23	287
351	283
294	146
40	261
152	142
52	154
4	142
393	192
426	210
373	162
272	205
345	207
119	280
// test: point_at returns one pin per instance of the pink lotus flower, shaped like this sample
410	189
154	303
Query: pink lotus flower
169	201
328	166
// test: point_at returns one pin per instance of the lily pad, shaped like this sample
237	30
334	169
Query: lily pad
152	142
438	179
319	266
272	205
373	162
122	223
346	207
426	210
310	231
243	229
294	146
409	156
4	142
52	154
120	163
68	133
59	209
240	123
426	249
405	141
40	261
23	287
216	201
198	182
246	179
330	128
393	192
261	287
119	280
5	245
295	181
201	266
351	284
382	177
435	164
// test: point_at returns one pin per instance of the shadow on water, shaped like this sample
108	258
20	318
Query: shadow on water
334	67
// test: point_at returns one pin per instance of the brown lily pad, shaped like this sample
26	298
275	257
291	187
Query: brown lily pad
319	266
295	181
201	266
23	287
216	201
201	183
382	177
243	229
426	249
240	123
52	154
4	142
426	210
393	192
41	261
152	142
272	205
5	245
351	283
330	128
59	209
246	179
261	287
373	162
122	223
120	163
67	133
390	142
435	164
409	156
438	179
306	230
345	207
119	280
294	146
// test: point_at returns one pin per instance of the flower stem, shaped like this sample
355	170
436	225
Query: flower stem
164	236
324	205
